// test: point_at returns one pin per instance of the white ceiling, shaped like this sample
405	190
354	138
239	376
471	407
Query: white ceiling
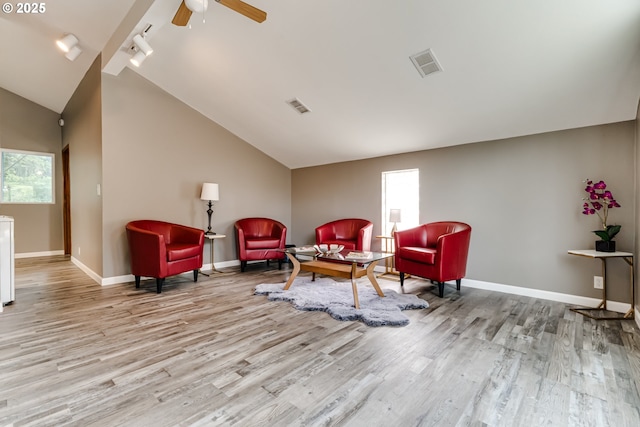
510	68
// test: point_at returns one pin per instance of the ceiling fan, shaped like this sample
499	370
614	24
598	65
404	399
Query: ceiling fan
187	7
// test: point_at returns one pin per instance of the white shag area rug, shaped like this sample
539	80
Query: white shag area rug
336	298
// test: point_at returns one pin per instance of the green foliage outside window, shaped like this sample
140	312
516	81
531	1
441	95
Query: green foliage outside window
27	177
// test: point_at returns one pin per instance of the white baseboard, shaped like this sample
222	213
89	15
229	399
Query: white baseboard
616	306
38	254
89	272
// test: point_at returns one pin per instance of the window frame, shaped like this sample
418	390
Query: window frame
52	156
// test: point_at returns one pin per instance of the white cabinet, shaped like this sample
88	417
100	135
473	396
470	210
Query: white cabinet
7	270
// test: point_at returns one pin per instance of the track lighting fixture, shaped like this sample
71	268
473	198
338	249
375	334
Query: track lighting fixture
142	50
138	58
142	45
69	45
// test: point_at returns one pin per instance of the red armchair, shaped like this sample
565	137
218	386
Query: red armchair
160	249
259	239
436	251
353	233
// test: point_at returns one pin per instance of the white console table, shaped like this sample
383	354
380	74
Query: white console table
603	257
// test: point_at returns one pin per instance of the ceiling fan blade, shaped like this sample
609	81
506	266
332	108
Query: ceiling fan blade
182	15
245	9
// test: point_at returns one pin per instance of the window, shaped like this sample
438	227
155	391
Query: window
27	177
400	190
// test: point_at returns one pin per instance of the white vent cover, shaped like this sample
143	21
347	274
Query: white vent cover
298	105
425	62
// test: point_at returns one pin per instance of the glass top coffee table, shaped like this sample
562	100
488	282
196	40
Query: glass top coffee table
347	264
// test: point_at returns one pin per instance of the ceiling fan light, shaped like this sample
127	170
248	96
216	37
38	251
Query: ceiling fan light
67	42
197	6
138	58
142	45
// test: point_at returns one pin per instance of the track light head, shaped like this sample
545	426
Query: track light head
73	53
142	45
67	43
138	58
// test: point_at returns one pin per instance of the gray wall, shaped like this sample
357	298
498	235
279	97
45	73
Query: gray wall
82	132
157	152
25	125
522	196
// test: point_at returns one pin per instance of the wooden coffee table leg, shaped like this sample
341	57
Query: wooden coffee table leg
294	273
372	278
354	286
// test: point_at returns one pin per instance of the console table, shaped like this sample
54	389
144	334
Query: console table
603	256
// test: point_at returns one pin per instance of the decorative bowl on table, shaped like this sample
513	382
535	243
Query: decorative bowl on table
328	249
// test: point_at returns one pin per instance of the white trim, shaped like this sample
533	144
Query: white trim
619	307
39	254
115	280
222	264
89	272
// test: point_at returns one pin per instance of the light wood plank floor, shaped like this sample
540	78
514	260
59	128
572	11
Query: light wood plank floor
211	353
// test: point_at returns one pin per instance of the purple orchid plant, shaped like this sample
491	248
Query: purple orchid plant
598	202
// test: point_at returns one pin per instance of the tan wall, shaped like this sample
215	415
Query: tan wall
157	152
522	196
25	125
82	132
636	248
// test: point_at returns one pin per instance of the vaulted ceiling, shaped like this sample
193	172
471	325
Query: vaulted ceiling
509	68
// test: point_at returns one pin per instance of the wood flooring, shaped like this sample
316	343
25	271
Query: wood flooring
213	354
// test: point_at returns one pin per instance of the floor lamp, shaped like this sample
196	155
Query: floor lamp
210	193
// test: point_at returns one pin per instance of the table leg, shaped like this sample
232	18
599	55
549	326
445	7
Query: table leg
354	285
603	304
372	279
586	311
629	314
294	273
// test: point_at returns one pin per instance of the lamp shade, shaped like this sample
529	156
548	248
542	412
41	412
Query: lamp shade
209	191
394	215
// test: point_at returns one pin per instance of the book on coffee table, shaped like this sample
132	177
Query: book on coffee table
359	255
303	249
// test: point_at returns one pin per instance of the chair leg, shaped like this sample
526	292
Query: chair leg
159	283
279	264
458	284
401	278
195	275
137	281
243	265
441	289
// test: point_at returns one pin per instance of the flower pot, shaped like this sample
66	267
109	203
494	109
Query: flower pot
605	245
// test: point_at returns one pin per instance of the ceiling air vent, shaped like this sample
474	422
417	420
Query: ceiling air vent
299	106
425	62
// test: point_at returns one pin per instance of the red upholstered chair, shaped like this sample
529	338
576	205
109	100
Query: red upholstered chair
436	251
353	233
260	239
161	249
